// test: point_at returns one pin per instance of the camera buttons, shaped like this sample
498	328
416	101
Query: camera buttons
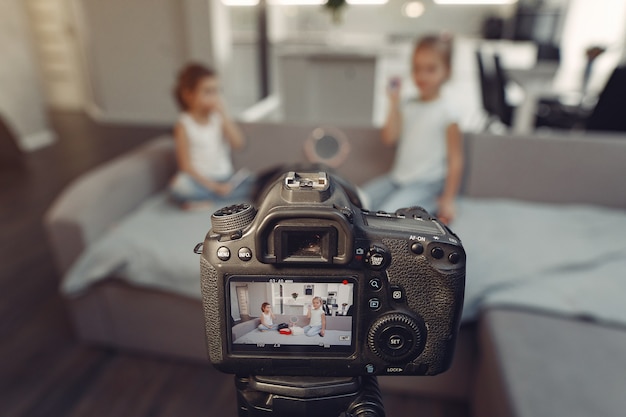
375	284
377	258
417	248
223	253
374	303
396	337
437	252
454	258
397	294
395	341
245	254
370	369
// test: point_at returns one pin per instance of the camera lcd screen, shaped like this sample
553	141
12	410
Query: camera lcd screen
405	225
281	316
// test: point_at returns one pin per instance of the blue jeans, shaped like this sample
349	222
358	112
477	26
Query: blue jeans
184	188
263	327
312	330
385	194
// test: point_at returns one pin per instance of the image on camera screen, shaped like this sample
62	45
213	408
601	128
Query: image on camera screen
281	315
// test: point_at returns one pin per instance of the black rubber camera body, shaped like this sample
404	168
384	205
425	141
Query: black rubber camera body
390	285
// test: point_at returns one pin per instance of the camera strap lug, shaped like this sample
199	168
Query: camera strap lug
198	248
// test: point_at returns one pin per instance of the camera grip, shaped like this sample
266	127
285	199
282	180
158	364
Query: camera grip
436	295
214	323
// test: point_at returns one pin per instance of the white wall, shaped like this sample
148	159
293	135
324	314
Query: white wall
601	22
21	94
388	19
258	293
134	50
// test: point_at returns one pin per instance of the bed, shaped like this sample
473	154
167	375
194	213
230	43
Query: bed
542	219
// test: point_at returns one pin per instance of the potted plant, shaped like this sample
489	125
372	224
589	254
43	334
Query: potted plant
335	7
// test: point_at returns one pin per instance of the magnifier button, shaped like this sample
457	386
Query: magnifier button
375	284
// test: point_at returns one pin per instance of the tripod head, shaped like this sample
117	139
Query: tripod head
262	396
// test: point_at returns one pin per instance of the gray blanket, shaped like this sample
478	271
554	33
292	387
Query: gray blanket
569	260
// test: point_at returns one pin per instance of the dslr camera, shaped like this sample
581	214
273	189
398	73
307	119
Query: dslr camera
312	284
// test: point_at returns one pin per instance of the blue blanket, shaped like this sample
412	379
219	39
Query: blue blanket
569	260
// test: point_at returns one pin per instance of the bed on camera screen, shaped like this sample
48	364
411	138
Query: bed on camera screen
272	315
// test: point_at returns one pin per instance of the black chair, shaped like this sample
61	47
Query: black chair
609	114
493	88
547	52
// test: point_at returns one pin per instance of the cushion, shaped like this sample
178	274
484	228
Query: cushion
297	330
151	247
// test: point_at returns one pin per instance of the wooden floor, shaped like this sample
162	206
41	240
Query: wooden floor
43	370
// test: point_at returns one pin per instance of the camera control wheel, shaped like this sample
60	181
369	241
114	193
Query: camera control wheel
396	337
231	219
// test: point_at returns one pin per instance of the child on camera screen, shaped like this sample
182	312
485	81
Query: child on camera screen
429	158
204	136
267	318
317	324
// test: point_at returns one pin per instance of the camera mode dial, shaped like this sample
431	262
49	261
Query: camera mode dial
231	219
396	337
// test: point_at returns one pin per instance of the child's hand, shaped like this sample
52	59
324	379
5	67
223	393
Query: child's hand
393	89
446	210
219	106
322	332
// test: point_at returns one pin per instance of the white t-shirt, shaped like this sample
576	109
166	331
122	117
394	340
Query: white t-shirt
208	150
267	319
316	316
422	148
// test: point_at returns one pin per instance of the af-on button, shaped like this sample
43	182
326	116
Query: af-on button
417	248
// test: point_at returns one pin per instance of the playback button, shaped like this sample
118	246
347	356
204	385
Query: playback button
373	303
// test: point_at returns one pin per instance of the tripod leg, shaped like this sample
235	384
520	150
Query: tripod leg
369	403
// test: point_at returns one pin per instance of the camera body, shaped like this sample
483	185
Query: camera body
356	292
